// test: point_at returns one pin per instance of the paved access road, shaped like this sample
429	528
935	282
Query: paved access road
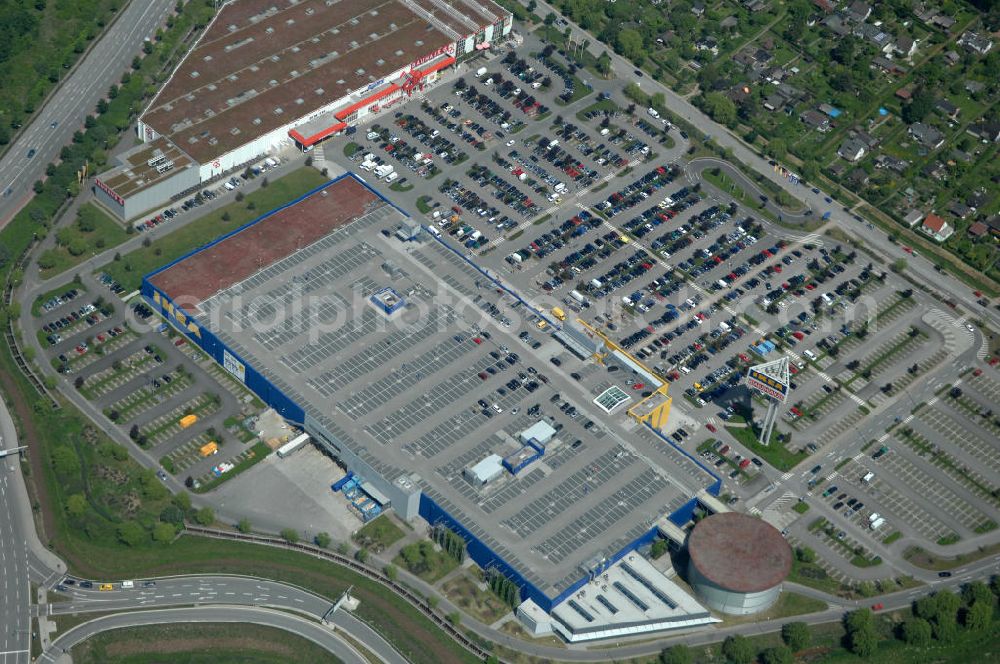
306	629
64	111
233	591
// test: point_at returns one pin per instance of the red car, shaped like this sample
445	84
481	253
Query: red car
744	464
711	427
638	386
878	607
477	340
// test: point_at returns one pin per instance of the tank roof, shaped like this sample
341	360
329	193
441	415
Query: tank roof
739	552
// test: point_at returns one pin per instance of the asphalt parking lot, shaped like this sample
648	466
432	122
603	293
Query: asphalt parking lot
145	379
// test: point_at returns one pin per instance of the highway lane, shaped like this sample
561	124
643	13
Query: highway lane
319	634
22	557
53	125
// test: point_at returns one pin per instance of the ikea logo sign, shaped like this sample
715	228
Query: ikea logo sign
176	314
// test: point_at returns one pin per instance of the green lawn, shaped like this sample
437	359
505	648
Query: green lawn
130	269
775	454
801	507
422	559
378	534
92	233
424	204
199	643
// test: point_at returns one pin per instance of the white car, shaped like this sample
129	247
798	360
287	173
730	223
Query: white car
511	142
969	327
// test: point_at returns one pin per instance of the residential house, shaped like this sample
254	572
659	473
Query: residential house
974	87
926	135
936	227
974	42
994	224
774	102
866	138
889	67
978	229
905	93
852	150
913	217
707	44
859	11
947	109
825	5
891	163
698	9
837	25
905	46
816	120
987	132
951	58
958	209
943	22
872	34
858	178
754	6
729	23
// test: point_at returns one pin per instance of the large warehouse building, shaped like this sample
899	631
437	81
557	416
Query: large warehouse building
352	331
272	72
738	562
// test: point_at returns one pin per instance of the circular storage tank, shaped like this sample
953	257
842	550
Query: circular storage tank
738	562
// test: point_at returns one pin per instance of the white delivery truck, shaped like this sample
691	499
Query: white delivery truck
481	71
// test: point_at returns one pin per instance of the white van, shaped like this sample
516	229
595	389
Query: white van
808	353
653	113
391	177
433	231
128	585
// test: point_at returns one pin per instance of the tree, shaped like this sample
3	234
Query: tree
172	514
239	196
391	572
916	632
133	433
862	642
76	505
244	526
131	534
720	107
455	618
205	516
976	591
920	104
361	555
630	44
290	535
322	540
979	615
163	532
776	655
264	183
796	635
678	654
737	650
805	554
65	461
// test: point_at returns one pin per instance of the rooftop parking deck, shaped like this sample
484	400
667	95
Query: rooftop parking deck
438	386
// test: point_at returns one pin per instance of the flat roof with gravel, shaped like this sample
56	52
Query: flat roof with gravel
402	389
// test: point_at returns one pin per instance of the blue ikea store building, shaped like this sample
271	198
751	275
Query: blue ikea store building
406	499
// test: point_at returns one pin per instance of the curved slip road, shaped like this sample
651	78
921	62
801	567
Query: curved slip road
318	634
